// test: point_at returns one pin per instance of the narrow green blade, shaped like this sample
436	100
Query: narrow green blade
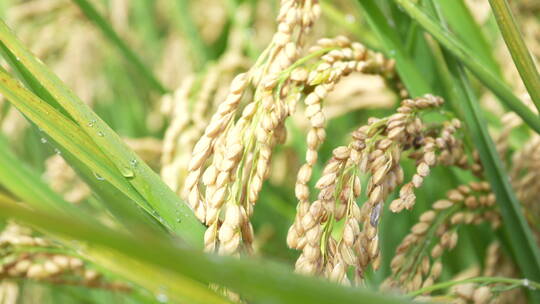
262	282
462	23
175	214
389	38
20	181
93	15
66	133
520	237
518	49
471	61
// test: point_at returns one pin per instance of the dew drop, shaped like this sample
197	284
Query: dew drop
527	284
162	297
127	172
43	140
178	220
57	151
91	123
133	163
98	177
100	134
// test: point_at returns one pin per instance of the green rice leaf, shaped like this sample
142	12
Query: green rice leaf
258	281
93	15
516	228
472	62
166	205
518	49
389	38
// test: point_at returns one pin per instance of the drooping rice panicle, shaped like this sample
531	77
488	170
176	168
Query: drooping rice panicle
374	154
22	259
417	262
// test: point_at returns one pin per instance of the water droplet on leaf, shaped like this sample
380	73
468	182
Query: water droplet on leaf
161	296
127	172
98	177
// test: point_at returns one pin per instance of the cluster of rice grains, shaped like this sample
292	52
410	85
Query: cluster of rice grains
467	291
231	160
191	107
26	256
239	150
525	177
334	232
417	262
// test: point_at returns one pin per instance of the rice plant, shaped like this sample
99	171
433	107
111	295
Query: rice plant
292	151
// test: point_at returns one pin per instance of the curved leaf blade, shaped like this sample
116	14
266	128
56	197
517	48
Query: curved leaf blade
256	280
518	232
390	41
518	49
471	61
175	214
93	15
